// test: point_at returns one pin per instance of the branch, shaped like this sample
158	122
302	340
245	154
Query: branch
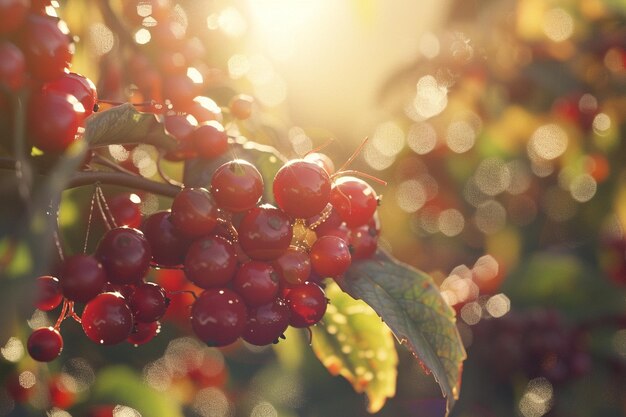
117	178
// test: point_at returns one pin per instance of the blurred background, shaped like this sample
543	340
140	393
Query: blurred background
499	127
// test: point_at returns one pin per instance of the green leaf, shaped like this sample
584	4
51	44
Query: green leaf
353	342
411	305
121	385
123	125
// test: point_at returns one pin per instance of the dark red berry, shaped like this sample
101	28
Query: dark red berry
53	120
293	267
125	255
322	160
307	303
125	209
354	199
211	262
363	241
76	85
266	323
12	65
125	290
81	277
237	186
45	344
218	317
46	45
204	109
179	89
330	256
12	14
142	333
194	212
256	282
210	140
180	125
166	243
301	188
332	222
107	319
265	233
48	295
62	394
148	302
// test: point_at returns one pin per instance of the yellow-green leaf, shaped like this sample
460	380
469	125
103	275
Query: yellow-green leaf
353	342
411	305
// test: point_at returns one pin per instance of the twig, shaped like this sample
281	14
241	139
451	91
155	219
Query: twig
117	178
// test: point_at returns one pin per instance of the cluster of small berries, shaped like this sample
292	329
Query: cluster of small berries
259	266
35	55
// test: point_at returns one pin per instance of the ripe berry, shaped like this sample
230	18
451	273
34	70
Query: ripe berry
107	319
256	282
330	256
81	277
53	120
204	109
301	188
218	317
12	14
237	185
363	241
307	303
12	65
266	323
76	85
194	212
46	45
211	262
241	106
293	266
125	255
332	222
142	333
179	89
265	233
354	199
125	209
45	344
48	295
148	302
210	140
167	245
322	160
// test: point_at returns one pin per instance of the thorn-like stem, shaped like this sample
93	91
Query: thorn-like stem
63	314
324	215
354	155
71	313
231	229
357	174
319	148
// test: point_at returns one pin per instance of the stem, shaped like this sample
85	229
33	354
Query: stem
354	155
117	178
358	174
101	160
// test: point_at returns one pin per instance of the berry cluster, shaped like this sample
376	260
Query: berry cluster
259	266
35	55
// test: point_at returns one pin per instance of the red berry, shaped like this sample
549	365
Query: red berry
354	199
148	302
265	233
167	245
256	282
293	266
81	277
125	255
301	188
322	160
332	222
179	89
194	212
76	85
241	106
12	65
45	344
53	120
218	317
330	256
142	333
125	209
48	295
61	393
180	125
266	323
46	45
237	185
210	140
204	109
363	241
12	14
307	303
211	262
107	319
